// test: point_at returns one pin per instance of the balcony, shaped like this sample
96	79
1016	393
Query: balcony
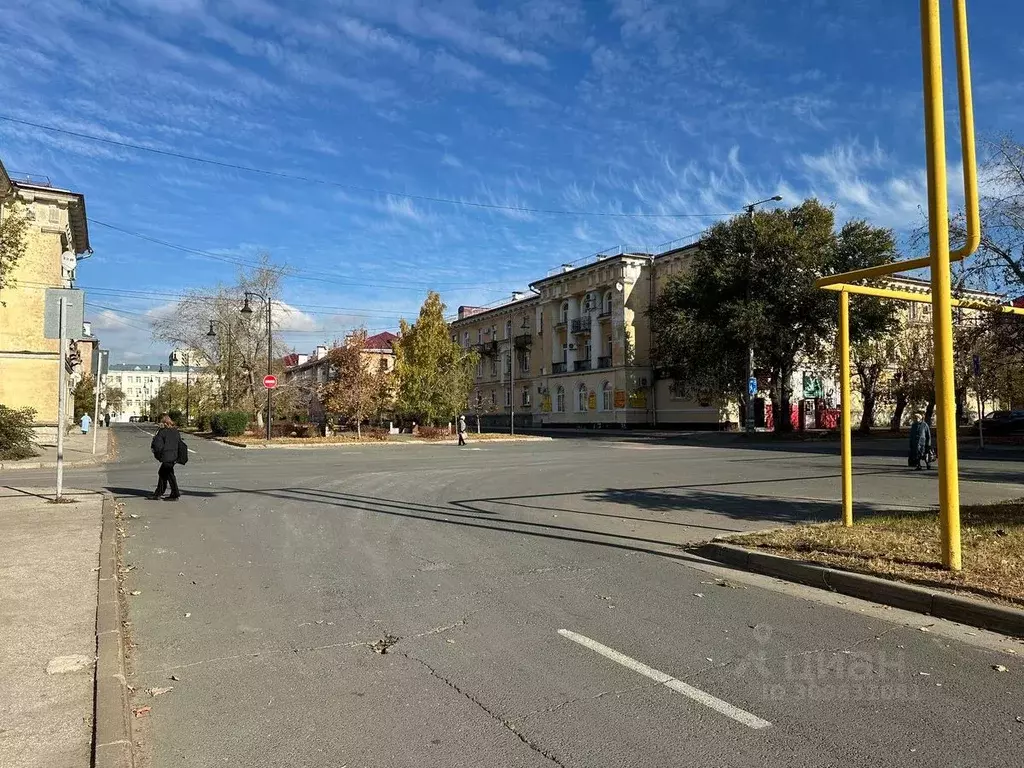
604	362
581	365
523	340
581	324
488	348
557	368
604	314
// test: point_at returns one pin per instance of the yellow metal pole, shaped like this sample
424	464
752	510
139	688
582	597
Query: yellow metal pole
942	314
972	212
844	393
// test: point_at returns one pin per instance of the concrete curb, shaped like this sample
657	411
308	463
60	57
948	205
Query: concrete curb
391	443
112	738
944	605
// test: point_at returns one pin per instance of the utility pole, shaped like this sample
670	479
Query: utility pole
751	390
188	401
247	310
61	395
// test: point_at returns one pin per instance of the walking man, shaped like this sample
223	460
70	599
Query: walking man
165	450
462	429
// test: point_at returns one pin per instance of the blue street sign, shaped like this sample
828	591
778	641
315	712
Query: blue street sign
752	386
977	365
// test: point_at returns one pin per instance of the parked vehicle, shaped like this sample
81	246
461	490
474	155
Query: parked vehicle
1002	422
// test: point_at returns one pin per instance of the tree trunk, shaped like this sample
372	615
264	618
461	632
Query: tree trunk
782	418
867	418
929	411
897	414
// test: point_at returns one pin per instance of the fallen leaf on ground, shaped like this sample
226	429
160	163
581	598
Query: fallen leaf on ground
923	629
142	711
698	594
188	615
1000	668
135	592
174	677
159	691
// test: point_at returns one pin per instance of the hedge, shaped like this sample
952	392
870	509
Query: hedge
16	433
229	423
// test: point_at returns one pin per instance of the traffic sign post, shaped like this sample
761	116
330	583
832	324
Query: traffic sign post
751	391
976	363
270	381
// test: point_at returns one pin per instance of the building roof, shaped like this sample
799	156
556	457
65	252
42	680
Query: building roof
481	312
382	341
77	218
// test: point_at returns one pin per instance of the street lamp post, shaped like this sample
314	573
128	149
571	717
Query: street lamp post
750	343
170	380
188	397
512	376
247	310
226	394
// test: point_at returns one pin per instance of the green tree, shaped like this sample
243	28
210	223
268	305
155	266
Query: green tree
13	240
84	394
349	390
113	400
434	373
752	282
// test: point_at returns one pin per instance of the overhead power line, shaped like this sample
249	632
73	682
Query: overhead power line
310	275
355	187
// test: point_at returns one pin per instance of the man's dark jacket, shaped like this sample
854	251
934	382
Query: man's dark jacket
165	445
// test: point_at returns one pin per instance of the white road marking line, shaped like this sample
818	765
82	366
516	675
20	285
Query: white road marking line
701	697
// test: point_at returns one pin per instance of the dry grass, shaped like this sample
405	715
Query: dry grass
905	546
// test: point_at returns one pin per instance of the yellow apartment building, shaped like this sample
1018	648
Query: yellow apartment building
576	351
28	360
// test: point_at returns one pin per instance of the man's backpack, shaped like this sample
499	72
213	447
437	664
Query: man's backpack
182	452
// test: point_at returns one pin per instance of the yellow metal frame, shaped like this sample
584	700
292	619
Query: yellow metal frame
938	261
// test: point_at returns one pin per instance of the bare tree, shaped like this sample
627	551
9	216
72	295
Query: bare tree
236	351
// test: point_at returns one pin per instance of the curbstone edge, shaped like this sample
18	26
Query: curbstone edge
111	729
944	605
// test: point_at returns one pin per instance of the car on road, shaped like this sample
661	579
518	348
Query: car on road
1002	422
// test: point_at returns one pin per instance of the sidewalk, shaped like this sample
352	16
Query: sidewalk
77	452
48	592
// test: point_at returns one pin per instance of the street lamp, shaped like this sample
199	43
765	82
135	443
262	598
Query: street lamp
750	344
512	377
226	393
247	310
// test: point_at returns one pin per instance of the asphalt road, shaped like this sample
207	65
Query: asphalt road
536	610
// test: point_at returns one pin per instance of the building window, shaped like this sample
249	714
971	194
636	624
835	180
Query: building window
565	352
588	303
508	397
560	399
479	398
675	390
508	329
524	362
494	366
465	339
563	312
494	397
606	396
608	303
383	364
479	336
587	350
479	369
526	397
581	398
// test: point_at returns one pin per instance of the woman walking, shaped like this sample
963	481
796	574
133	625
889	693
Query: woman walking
920	443
165	448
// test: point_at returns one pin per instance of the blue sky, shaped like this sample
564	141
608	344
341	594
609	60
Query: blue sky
603	106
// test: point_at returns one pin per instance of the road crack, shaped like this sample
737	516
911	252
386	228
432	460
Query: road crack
505	723
576	700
